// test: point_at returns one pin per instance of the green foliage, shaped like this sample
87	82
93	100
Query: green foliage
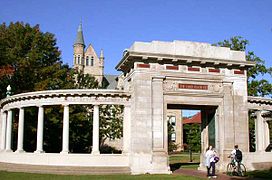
31	53
258	85
35	59
172	146
192	137
252	138
111	122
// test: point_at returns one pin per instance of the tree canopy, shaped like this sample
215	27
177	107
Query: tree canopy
258	85
30	61
33	56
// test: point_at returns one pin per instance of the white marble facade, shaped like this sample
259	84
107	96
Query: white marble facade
155	74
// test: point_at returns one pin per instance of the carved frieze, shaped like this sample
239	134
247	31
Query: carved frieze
171	86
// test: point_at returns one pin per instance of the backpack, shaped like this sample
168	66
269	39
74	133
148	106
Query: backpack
216	159
238	155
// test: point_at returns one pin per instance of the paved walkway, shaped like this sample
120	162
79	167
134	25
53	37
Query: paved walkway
202	174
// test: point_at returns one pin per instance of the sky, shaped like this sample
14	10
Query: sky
113	25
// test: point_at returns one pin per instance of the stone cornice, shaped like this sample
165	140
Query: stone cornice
60	96
130	57
259	100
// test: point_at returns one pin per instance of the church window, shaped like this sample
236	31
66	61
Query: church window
78	59
92	61
87	60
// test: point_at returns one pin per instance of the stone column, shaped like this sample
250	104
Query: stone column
9	131
21	131
259	131
158	114
40	130
228	115
126	130
95	149
65	131
4	126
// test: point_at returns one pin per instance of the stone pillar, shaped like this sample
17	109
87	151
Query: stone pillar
65	131
95	149
126	130
158	114
21	131
3	129
259	131
9	131
159	158
40	131
228	111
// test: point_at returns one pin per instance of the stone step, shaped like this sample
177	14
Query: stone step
69	170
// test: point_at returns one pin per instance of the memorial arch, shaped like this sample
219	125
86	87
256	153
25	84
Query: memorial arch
157	77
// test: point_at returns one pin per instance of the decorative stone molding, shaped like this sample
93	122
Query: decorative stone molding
259	103
70	96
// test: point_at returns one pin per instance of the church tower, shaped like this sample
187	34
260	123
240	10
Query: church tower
79	49
87	60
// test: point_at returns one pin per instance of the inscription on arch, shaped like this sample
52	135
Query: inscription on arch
192	86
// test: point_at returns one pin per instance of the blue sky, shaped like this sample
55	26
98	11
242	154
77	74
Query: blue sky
115	24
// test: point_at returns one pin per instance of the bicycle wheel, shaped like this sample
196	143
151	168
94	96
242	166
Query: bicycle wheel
230	169
242	170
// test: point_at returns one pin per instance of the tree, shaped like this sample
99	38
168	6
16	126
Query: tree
171	144
191	133
32	54
30	61
257	84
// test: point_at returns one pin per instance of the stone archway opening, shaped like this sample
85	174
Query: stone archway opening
189	134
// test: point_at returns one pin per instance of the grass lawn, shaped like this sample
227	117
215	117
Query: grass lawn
265	174
29	176
182	160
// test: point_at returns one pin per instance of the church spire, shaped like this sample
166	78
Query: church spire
102	54
79	38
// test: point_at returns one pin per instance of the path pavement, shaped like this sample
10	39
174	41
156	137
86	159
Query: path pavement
202	174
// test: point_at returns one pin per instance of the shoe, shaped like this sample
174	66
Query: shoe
209	177
214	177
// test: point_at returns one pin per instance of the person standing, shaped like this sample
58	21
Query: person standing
210	162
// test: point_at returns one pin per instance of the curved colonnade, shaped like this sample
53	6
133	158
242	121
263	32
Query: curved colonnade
64	98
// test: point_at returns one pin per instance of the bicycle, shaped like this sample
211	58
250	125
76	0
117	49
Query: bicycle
236	170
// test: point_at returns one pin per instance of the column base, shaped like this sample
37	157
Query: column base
64	152
20	151
8	150
95	153
39	151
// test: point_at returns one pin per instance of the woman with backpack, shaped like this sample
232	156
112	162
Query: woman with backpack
210	160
